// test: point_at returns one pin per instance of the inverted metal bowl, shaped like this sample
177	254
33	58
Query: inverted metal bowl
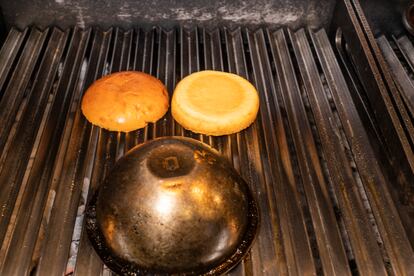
172	206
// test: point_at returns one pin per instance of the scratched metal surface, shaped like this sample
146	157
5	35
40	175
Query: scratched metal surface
324	199
166	13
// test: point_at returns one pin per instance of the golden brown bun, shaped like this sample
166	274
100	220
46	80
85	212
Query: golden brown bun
125	101
214	103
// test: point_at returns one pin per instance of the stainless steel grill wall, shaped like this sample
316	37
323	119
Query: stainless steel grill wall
166	13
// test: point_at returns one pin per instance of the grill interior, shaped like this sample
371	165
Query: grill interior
323	192
399	54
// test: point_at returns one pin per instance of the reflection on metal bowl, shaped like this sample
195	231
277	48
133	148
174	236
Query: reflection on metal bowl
172	205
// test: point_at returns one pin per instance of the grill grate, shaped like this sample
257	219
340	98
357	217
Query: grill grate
325	205
401	62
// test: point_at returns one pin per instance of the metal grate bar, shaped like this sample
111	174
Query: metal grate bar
327	232
189	51
355	86
391	229
108	144
165	55
121	50
92	264
119	61
388	78
189	63
147	67
397	142
213	56
400	187
407	48
15	90
169	76
244	165
152	127
213	60
34	198
87	261
55	251
121	53
365	248
16	161
400	75
267	257
296	243
8	53
264	189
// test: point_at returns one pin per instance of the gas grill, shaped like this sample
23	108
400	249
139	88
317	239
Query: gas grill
329	157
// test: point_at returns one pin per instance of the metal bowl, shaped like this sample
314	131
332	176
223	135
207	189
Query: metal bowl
172	206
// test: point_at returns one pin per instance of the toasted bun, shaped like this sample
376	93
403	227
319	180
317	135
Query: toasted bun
214	103
125	101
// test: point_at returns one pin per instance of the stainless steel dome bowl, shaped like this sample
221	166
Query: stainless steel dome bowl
172	205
